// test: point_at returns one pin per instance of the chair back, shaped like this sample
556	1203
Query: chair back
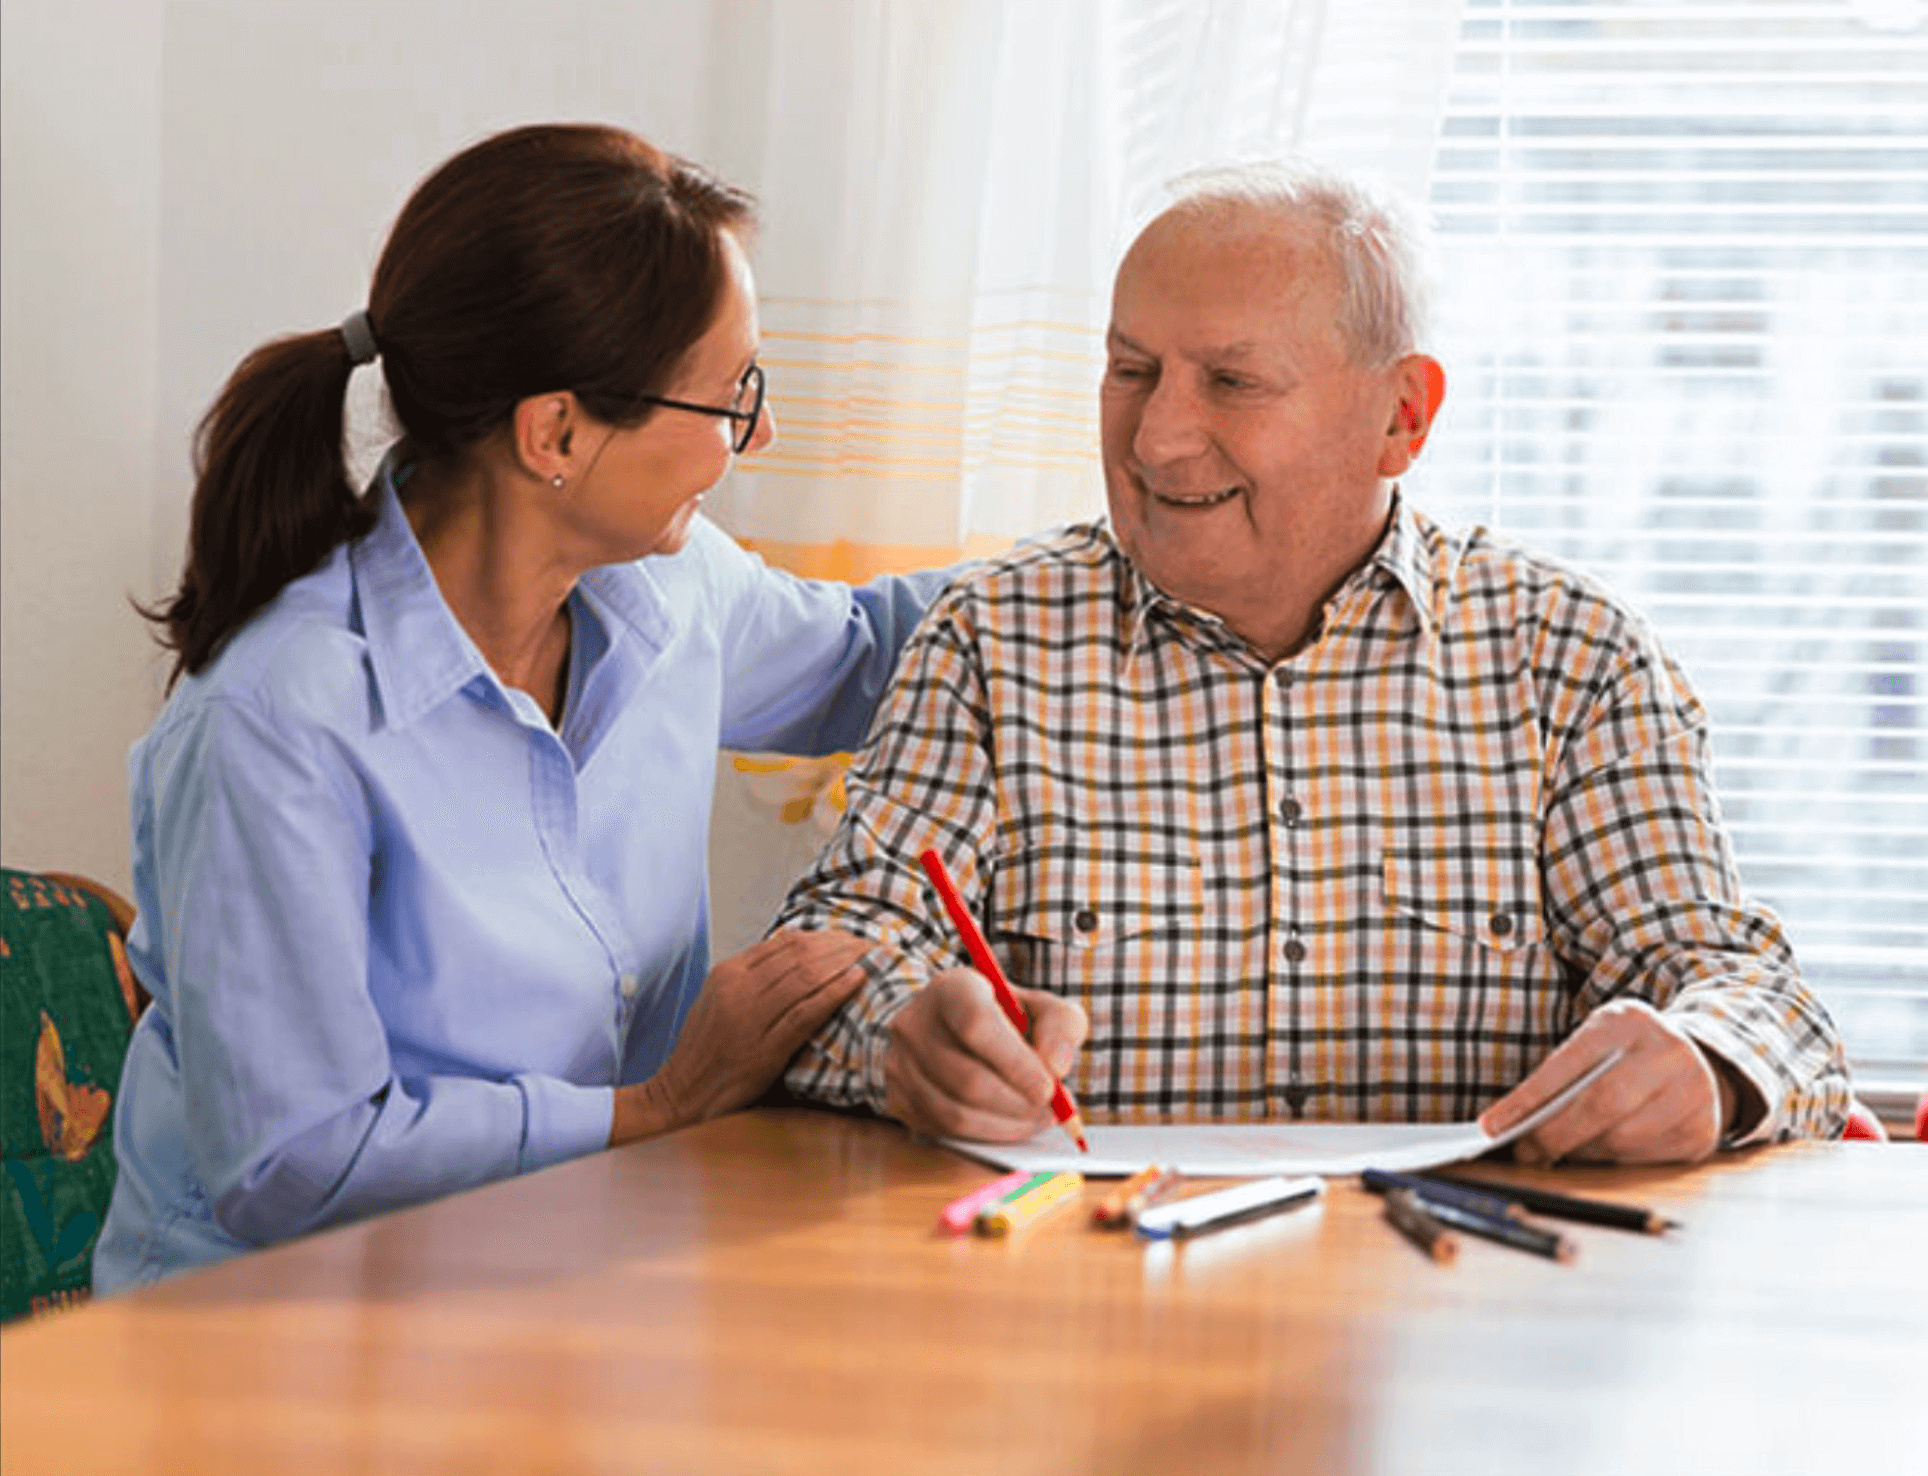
68	1003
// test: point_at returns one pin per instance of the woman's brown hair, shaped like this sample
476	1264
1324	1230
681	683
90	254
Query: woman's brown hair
556	257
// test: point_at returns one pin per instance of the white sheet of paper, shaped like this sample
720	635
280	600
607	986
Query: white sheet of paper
1234	1148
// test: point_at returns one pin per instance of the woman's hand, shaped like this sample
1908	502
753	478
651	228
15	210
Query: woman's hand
754	1011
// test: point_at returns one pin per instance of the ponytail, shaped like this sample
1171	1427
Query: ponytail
552	257
272	497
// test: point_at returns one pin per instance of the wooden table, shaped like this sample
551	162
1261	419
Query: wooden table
767	1294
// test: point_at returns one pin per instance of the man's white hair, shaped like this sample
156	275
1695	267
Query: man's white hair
1377	242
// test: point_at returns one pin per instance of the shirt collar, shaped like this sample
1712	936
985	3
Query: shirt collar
629	593
1403	555
417	650
1137	595
1139	600
1406	556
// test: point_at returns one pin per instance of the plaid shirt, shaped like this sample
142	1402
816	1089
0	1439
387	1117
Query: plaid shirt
1377	880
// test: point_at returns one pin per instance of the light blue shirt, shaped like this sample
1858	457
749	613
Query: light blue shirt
403	937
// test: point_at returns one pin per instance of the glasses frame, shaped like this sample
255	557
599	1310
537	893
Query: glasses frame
746	420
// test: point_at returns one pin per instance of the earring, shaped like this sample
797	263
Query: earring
556	481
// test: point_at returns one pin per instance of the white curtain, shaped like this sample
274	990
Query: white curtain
946	187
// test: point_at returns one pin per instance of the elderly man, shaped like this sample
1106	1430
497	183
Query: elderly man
1281	800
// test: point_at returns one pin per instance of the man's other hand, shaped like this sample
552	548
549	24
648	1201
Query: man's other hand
1664	1102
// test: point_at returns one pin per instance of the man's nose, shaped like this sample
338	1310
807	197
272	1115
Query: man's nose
1171	423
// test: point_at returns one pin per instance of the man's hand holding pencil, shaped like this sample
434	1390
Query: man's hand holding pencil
959	1063
956	1067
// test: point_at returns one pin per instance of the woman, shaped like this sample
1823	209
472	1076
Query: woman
419	839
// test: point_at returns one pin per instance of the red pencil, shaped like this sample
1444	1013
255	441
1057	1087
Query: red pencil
1062	1107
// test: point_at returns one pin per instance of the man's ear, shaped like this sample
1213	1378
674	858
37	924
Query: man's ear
545	431
1422	386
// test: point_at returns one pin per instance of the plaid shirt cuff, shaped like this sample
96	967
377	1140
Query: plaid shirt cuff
1800	1103
843	1063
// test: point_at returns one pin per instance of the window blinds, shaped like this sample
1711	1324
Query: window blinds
1684	251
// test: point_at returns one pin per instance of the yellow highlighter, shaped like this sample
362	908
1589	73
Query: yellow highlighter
1036	1199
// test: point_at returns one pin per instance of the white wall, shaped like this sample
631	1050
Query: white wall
181	180
80	231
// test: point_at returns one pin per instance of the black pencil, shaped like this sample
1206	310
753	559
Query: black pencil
1410	1217
1568	1206
1529	1238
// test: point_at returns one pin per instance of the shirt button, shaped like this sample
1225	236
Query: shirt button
1283	676
629	984
1294	950
1086	920
1290	810
1501	923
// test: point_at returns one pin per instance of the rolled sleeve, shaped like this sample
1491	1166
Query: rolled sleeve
843	1064
1648	903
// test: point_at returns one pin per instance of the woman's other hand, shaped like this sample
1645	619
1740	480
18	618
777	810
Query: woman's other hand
755	1010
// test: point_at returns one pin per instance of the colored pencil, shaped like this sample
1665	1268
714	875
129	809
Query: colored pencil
961	1213
1529	1238
1120	1208
1569	1206
1015	1211
1410	1218
1062	1107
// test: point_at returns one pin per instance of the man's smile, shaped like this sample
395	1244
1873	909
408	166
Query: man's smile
1173	498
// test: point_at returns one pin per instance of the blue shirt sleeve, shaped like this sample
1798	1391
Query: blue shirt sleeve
806	661
402	936
296	1116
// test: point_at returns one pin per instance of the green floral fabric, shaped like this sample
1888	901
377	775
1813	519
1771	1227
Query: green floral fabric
67	1006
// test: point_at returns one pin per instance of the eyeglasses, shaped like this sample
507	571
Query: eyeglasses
749	392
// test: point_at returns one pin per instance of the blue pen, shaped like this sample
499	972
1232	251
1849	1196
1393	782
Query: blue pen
1494	1206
